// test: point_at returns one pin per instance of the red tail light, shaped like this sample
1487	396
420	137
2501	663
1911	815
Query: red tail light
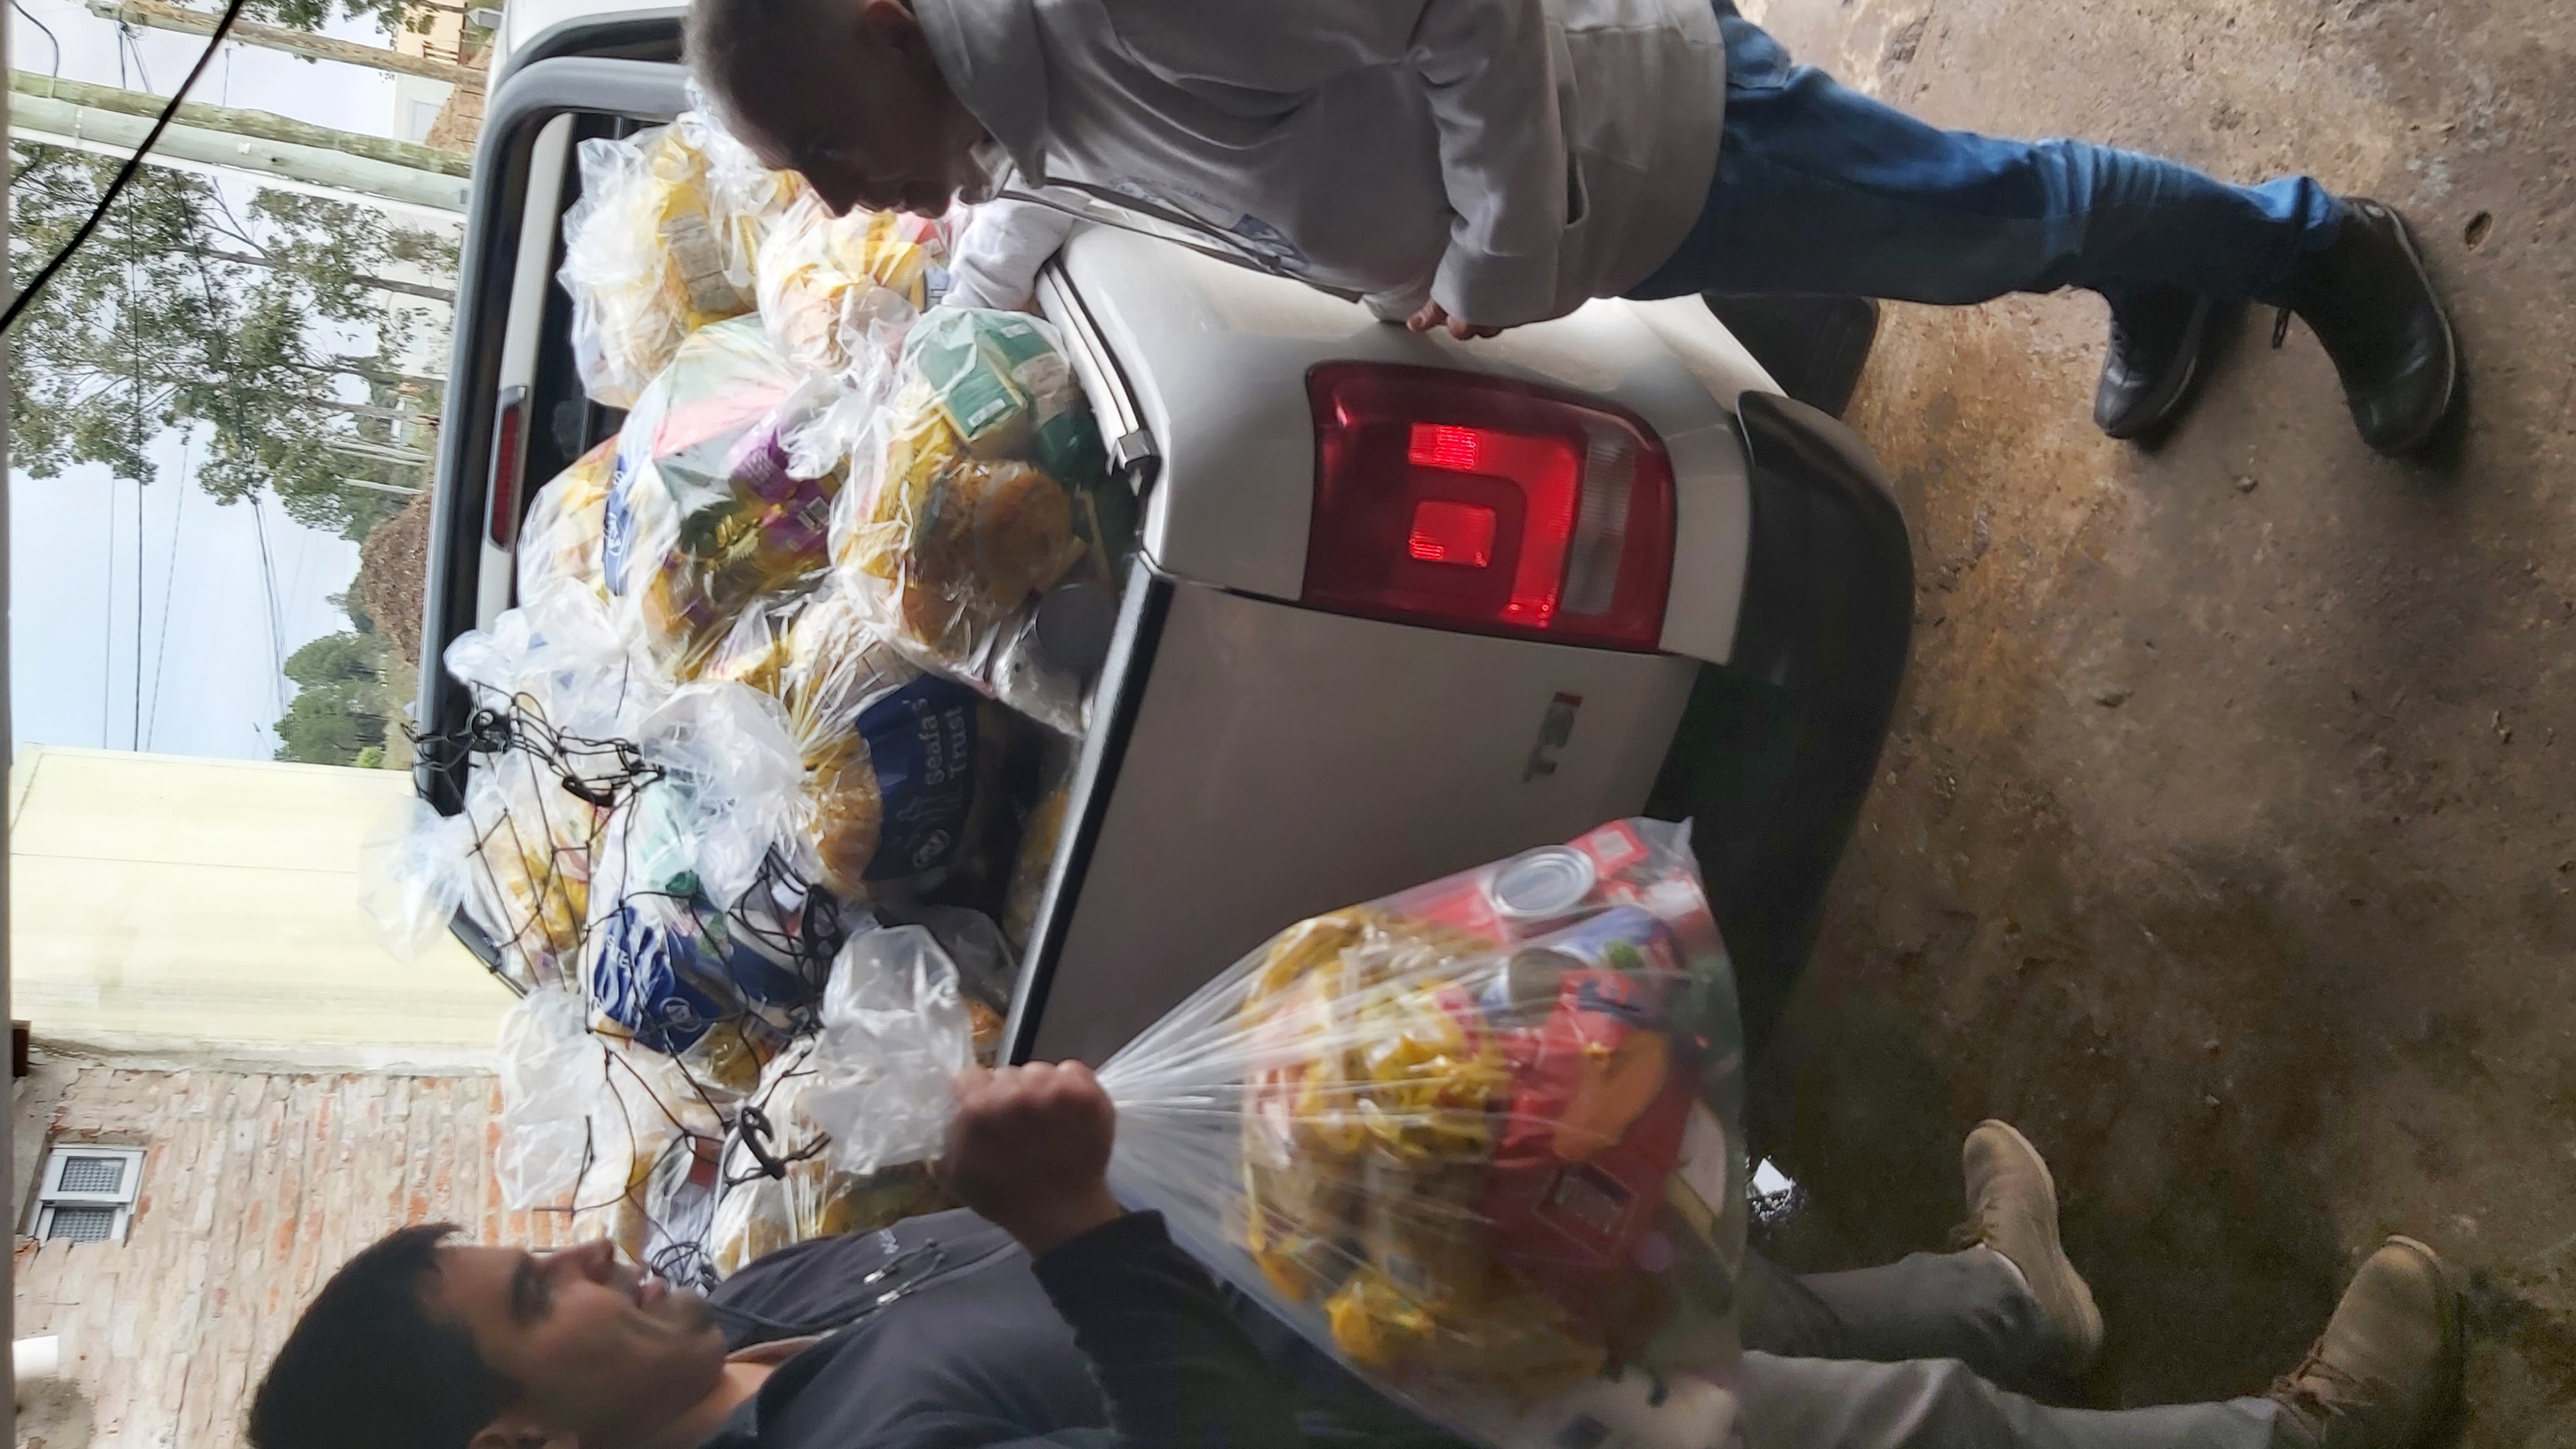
1479	503
509	452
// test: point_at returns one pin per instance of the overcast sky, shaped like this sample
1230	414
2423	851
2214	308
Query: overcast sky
209	656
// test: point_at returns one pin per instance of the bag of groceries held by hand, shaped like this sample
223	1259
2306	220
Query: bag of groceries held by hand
1480	1140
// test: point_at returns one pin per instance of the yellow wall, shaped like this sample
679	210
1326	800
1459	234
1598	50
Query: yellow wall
213	904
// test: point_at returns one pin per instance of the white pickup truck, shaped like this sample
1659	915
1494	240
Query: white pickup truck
1399	605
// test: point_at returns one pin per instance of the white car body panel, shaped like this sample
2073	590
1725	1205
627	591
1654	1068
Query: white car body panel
1285	762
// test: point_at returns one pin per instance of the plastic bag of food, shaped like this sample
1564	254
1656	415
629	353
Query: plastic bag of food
661	243
896	1033
649	1110
705	513
558	657
1040	837
412	877
560	537
839	292
527	876
987	969
1481	1140
553	1072
782	1186
972	507
899	763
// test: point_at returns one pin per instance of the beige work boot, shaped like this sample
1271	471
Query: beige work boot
2012	1209
2388	1363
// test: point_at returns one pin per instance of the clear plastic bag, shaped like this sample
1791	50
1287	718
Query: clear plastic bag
839	292
896	1033
899	763
1481	1140
699	947
412	877
987	968
560	538
972	506
661	243
552	1075
559	657
782	1186
527	879
705	513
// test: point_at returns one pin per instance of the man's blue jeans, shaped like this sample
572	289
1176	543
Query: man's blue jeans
1821	189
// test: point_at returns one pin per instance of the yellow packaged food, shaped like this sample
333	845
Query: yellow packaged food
840	289
705	515
660	244
560	538
1477	1139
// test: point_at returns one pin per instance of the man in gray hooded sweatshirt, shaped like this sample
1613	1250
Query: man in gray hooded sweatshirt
1474	165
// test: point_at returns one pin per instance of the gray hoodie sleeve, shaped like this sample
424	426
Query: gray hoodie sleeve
1489	70
998	255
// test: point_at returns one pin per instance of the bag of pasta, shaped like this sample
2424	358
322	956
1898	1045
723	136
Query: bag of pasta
839	291
1481	1140
560	538
704	513
655	248
974	506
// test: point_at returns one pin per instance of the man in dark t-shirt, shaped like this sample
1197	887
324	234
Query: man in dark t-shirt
1051	1318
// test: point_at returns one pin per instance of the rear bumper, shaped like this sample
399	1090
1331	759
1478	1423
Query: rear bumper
1776	751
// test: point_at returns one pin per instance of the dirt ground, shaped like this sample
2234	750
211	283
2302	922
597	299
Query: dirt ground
2223	840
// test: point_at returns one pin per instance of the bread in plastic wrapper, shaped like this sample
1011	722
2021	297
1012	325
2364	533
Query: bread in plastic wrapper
1480	1139
899	763
839	291
560	538
972	506
662	242
705	515
1041	837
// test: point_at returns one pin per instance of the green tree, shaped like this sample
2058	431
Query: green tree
265	333
338	714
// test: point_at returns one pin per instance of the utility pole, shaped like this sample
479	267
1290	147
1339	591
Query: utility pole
108	121
253	125
160	16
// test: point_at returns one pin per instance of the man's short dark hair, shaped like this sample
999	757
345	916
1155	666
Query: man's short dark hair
368	1367
725	38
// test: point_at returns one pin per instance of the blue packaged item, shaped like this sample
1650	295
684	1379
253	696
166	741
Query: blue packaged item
922	741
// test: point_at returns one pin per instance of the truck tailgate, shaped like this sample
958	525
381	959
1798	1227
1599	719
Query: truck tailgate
1279	762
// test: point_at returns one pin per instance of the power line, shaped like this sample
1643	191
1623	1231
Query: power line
107	620
169	578
21	7
125	173
276	628
134	729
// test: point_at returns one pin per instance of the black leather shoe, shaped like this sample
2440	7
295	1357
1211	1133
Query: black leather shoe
2156	338
2372	306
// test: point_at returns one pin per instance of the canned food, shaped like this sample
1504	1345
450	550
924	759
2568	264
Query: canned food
1542	890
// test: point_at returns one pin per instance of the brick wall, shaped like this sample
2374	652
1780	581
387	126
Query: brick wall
255	1186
